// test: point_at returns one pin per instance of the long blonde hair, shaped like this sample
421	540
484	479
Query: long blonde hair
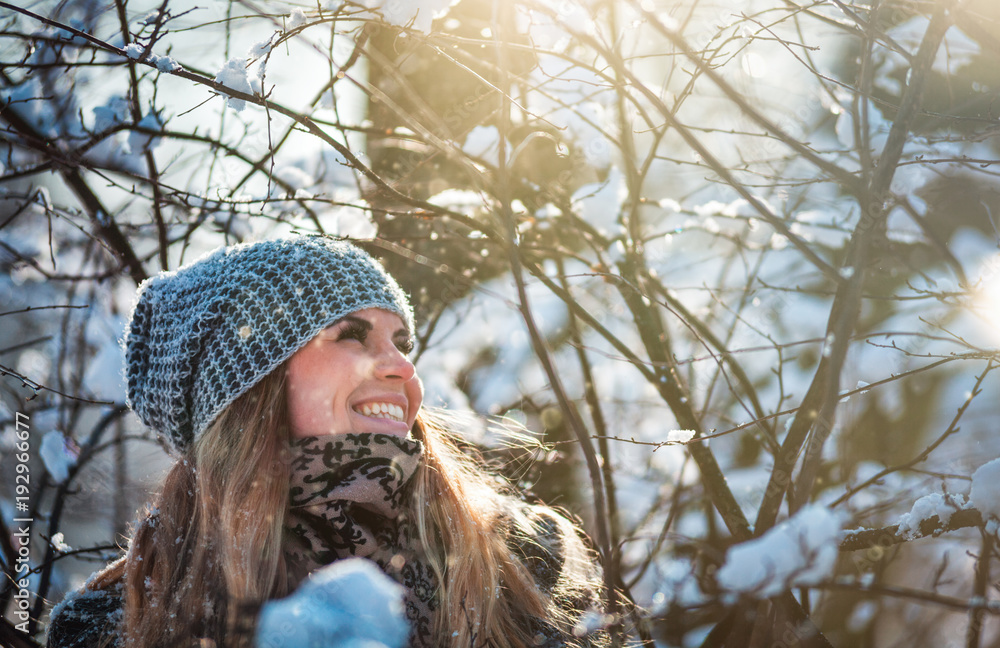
208	553
466	522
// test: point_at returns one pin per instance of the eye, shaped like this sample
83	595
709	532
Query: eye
353	331
405	346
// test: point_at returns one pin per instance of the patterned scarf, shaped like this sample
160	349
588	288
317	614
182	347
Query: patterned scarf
348	498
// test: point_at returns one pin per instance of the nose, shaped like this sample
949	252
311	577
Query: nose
392	364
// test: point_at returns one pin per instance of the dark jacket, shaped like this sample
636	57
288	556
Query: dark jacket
86	619
89	619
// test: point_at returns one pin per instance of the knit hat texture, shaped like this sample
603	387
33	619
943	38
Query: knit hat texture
202	335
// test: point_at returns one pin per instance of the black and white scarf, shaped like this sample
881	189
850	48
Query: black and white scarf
348	498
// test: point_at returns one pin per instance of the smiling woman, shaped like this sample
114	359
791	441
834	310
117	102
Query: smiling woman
278	373
355	377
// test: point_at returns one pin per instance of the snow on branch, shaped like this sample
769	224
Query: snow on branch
800	551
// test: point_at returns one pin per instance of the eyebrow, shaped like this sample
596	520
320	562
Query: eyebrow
368	326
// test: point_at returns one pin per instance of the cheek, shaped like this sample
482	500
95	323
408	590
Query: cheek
306	403
414	396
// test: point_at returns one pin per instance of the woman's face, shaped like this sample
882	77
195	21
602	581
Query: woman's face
355	377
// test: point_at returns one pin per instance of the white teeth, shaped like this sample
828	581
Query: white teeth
382	411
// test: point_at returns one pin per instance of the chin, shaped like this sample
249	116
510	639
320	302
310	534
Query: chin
396	432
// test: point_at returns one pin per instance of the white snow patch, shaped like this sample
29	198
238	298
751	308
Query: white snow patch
149	19
802	550
59	542
134	51
985	494
165	64
296	19
262	48
483	142
256	67
459	199
111	114
928	506
348	603
234	75
57	455
679	436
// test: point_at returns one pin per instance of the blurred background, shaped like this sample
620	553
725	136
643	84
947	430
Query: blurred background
723	260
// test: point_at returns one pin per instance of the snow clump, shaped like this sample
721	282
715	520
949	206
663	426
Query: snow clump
985	494
162	63
928	506
256	67
348	603
134	51
234	75
679	436
111	114
802	550
59	543
296	19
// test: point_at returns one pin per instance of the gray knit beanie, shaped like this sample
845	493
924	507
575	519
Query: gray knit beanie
202	335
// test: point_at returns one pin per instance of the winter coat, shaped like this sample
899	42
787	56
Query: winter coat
347	495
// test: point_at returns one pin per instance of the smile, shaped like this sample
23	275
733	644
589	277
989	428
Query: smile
382	411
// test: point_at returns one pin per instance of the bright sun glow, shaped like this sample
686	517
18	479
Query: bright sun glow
986	301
